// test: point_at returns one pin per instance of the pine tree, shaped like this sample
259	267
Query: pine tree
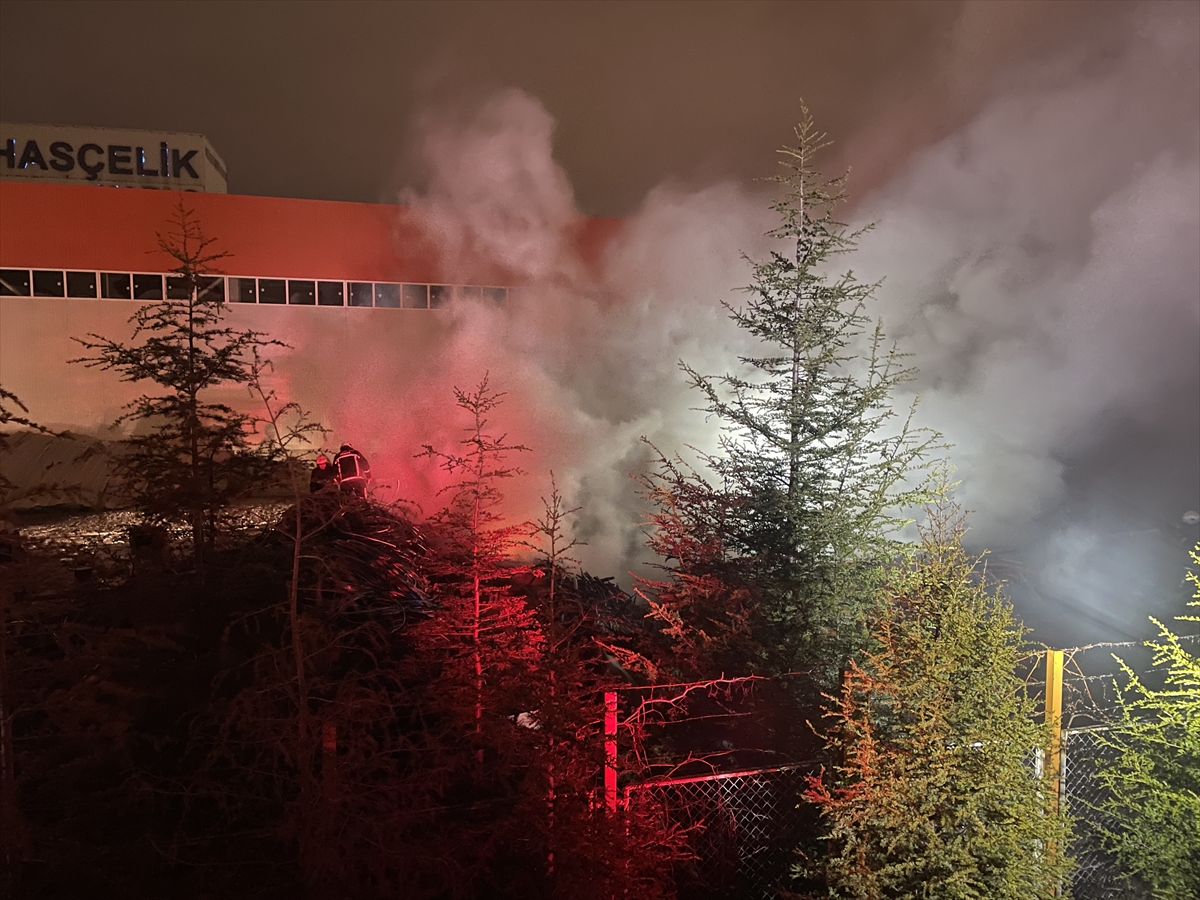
1154	779
486	638
813	461
704	607
196	454
934	795
309	741
589	852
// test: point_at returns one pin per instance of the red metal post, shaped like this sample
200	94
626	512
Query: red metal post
610	751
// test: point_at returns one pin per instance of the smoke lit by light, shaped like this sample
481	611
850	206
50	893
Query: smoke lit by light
1039	262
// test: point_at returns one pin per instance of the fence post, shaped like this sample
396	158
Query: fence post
1054	685
610	751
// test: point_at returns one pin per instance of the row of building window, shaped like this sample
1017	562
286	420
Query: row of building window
237	289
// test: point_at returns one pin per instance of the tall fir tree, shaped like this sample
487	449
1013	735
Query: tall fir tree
476	665
195	453
933	795
773	554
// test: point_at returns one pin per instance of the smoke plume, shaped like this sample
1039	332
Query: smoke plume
1039	263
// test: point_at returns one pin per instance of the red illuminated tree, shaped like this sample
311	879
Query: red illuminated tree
508	688
705	605
486	640
589	852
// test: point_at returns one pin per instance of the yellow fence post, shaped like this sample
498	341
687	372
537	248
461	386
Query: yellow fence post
1054	685
1054	756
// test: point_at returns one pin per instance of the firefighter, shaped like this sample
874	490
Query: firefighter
323	474
353	471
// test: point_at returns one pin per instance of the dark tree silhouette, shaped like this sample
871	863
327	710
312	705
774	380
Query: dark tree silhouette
197	453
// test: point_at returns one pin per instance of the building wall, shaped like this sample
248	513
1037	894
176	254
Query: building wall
64	227
36	342
58	226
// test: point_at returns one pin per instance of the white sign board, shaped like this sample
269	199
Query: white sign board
111	156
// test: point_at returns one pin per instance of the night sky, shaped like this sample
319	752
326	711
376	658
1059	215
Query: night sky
321	100
1033	170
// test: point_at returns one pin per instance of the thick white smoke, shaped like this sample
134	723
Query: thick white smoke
1040	264
587	354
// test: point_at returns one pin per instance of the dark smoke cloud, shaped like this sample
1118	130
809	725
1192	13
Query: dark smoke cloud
1040	264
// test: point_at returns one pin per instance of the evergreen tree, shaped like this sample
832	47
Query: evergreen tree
590	852
475	676
709	620
196	454
486	637
508	688
1154	779
934	796
310	738
813	458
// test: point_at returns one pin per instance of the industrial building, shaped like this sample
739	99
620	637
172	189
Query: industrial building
77	255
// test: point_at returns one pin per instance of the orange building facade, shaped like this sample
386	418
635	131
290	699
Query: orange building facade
76	259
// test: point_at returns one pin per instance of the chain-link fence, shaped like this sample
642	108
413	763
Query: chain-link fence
745	825
1096	877
743	829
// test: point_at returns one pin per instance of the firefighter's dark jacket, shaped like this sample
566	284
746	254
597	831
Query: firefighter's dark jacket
350	465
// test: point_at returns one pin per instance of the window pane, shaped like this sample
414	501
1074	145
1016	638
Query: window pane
361	293
329	293
468	292
416	296
439	295
212	288
177	287
115	286
495	294
387	295
81	284
243	290
272	290
14	282
303	293
48	284
147	287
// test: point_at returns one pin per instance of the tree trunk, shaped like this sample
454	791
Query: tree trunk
9	815
302	726
475	630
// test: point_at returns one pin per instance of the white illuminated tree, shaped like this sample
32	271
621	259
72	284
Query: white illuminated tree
774	550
